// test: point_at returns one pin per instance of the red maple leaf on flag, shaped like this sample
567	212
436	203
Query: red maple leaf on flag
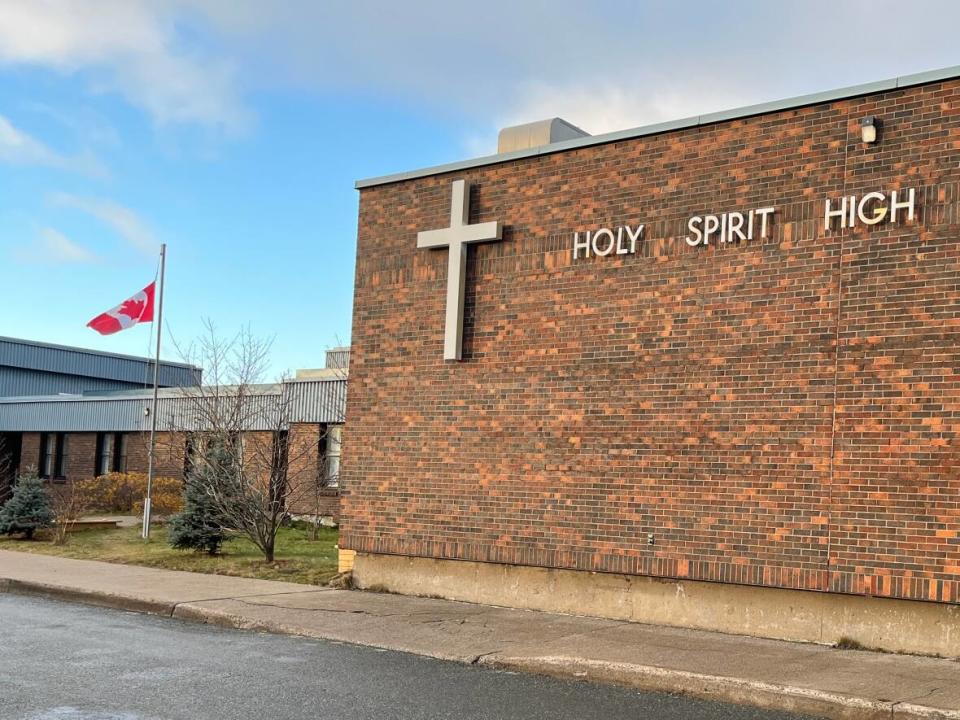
133	307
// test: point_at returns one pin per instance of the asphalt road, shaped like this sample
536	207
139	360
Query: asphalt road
60	661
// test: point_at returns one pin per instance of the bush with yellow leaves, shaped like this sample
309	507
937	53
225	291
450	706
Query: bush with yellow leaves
124	493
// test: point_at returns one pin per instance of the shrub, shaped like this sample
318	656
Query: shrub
167	496
200	525
68	503
27	510
124	493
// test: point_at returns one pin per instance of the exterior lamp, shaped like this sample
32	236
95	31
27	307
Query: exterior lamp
868	129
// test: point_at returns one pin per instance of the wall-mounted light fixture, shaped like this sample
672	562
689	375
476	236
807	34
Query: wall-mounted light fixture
868	129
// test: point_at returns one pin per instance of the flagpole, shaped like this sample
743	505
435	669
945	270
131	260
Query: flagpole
153	412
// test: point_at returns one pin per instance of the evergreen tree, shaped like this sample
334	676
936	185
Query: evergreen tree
200	526
27	510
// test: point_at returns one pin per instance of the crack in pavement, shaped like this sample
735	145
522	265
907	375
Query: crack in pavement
244	601
476	660
920	696
240	597
324	610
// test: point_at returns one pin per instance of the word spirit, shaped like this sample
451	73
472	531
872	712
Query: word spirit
605	241
729	226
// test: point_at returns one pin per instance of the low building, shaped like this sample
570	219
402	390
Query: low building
81	434
31	370
701	373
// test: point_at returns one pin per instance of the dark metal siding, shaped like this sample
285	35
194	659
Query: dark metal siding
123	370
18	382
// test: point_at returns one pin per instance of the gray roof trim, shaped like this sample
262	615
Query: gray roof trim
146	394
698	120
309	401
98	353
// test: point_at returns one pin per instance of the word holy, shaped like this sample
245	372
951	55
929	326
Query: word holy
728	227
848	211
603	242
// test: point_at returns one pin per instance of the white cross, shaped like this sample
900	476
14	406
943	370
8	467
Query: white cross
456	237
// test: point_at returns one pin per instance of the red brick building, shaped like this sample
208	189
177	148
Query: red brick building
743	415
99	421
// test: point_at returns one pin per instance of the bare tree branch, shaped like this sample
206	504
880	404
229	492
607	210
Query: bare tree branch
237	428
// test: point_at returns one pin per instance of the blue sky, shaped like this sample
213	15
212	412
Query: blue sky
233	130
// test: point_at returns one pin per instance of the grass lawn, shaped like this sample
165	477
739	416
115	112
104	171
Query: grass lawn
299	559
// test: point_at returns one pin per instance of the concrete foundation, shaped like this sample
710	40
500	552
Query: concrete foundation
879	623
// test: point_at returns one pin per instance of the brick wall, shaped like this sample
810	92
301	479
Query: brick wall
170	449
305	447
82	448
29	453
304	458
781	412
81	453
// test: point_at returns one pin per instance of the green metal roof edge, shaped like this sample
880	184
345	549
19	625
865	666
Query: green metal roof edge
903	81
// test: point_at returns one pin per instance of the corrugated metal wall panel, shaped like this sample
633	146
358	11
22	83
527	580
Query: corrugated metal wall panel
255	412
316	401
125	415
18	382
88	363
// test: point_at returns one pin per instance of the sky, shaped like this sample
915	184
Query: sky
233	130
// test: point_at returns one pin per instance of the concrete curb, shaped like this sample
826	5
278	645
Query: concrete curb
208	616
192	613
642	677
87	597
716	687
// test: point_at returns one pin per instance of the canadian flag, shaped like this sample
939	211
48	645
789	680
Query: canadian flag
131	311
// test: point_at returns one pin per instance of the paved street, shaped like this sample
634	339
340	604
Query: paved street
71	662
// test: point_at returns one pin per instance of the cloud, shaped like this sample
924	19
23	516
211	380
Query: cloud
602	107
20	148
604	65
82	121
53	247
122	220
605	107
132	47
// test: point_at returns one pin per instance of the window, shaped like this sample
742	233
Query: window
47	450
53	456
331	460
111	453
122	444
104	461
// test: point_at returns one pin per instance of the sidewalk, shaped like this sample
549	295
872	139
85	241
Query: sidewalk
766	673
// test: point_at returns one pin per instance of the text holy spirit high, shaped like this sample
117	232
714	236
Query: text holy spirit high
736	226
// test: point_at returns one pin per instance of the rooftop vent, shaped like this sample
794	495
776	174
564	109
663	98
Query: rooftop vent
537	134
337	366
338	358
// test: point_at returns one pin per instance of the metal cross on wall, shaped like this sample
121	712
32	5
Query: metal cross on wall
457	237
